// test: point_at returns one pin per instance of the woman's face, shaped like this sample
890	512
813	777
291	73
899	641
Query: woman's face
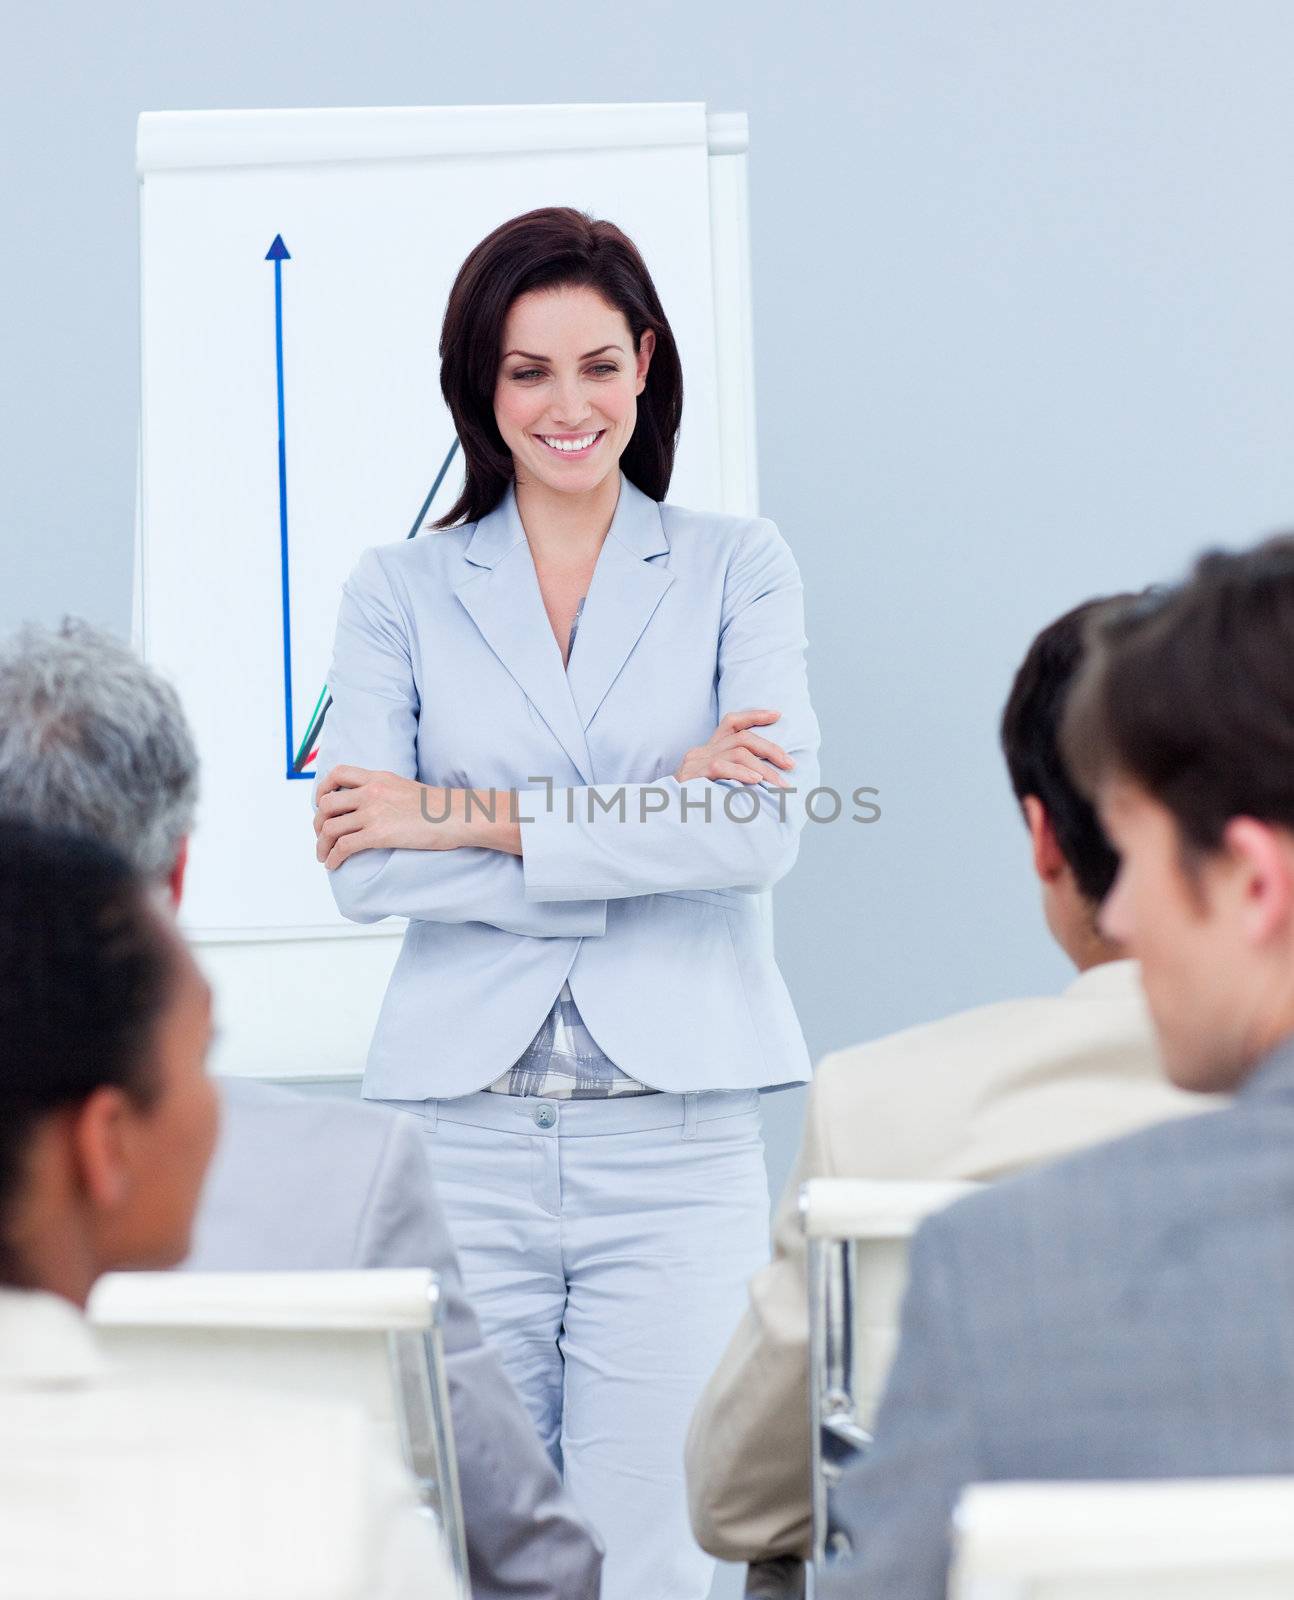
566	397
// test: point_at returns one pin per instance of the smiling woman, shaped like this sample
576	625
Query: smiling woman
564	417
497	309
586	1005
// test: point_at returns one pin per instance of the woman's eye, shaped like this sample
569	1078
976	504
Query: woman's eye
602	369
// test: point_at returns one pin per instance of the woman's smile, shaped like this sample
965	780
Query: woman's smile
566	396
574	445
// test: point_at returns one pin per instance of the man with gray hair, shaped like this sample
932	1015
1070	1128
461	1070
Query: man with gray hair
92	741
95	742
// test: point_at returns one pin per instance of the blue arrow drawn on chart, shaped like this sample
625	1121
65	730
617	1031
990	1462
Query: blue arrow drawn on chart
278	254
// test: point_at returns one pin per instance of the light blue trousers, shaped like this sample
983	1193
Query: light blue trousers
606	1246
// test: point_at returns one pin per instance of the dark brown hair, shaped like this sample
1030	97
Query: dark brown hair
85	973
1031	744
556	247
1189	694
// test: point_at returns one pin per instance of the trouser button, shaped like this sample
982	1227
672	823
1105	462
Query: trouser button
545	1116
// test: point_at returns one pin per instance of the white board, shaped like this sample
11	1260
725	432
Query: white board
294	272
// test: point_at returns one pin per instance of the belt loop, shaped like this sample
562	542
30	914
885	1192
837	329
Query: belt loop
689	1115
431	1111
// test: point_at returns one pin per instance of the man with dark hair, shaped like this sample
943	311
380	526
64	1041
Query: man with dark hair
1062	824
1127	1312
107	1122
978	1095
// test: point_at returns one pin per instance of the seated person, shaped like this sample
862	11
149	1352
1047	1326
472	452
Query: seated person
1126	1313
977	1095
110	1484
90	734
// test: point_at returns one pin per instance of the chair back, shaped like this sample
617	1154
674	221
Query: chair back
117	1491
857	1236
1195	1539
370	1336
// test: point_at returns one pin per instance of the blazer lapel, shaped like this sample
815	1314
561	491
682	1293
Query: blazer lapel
502	596
623	596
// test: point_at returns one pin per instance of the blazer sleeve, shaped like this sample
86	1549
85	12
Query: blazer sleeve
616	840
895	1504
373	723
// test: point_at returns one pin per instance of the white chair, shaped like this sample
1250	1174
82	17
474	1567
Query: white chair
1190	1539
857	1233
372	1337
114	1490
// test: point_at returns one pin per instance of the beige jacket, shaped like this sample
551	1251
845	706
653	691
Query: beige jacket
978	1095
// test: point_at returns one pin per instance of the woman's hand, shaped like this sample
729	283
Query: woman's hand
356	809
732	751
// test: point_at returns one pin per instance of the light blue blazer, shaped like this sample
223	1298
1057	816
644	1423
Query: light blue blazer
446	669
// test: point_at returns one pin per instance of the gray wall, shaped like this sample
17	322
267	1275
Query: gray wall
1022	281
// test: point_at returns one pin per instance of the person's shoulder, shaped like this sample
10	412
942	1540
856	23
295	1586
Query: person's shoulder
713	532
403	562
717	526
1098	1186
960	1037
301	1121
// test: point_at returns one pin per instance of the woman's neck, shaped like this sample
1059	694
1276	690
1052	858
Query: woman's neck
566	527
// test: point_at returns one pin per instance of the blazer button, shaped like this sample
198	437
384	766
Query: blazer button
545	1116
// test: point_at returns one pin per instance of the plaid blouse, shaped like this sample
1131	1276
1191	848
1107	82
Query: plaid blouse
563	1061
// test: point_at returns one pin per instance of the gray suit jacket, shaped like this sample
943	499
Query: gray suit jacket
330	1183
1125	1313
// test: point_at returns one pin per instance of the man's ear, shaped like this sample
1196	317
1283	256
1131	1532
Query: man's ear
1264	862
100	1147
175	879
1048	861
646	350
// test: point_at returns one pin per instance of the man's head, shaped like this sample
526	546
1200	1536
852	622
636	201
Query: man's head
95	742
1071	854
1181	727
107	1117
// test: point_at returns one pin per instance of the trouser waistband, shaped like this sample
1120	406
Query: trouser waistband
532	1114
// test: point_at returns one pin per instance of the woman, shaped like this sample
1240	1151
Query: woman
543	750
